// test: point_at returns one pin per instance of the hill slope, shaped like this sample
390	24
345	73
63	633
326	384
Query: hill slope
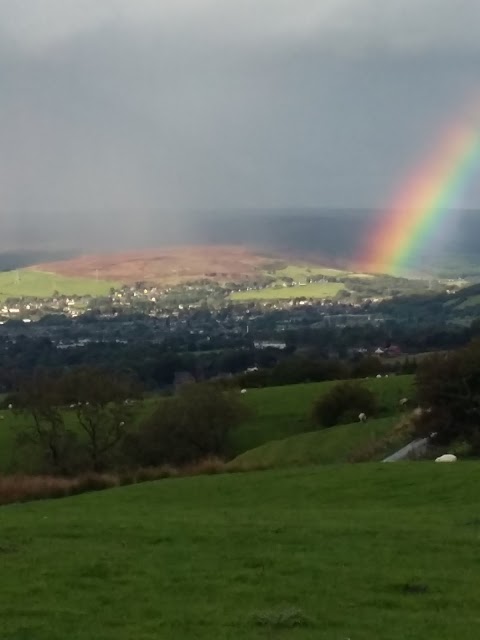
173	265
42	284
280	412
326	446
361	552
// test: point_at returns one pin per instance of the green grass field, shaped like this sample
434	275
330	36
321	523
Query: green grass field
277	413
366	552
280	412
326	446
313	290
300	273
40	284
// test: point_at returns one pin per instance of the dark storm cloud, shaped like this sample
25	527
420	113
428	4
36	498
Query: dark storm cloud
114	111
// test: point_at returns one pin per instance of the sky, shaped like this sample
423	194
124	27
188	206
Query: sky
118	114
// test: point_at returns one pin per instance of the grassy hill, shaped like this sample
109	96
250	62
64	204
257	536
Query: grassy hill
356	551
42	284
277	413
327	446
312	290
280	412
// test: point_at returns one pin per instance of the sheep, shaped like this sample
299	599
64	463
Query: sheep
362	417
447	457
10	406
379	375
72	406
403	402
122	424
417	412
243	391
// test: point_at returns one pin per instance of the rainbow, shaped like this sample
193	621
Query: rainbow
424	201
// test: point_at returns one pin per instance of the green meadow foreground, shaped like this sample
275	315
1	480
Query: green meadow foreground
357	551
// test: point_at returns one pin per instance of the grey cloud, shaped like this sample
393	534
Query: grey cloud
146	106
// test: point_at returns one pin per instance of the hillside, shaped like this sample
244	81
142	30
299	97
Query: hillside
176	265
280	412
43	284
325	446
165	266
276	413
360	552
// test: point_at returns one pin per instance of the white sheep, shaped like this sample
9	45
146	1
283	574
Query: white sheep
362	417
447	457
10	406
403	402
243	391
379	375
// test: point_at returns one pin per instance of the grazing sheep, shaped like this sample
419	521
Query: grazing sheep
243	391
72	406
403	402
447	457
379	375
362	417
10	406
122	424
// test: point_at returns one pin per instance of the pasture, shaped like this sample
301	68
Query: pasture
300	273
276	413
327	553
280	412
318	290
325	446
41	284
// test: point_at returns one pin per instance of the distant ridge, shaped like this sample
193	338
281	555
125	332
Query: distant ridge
165	266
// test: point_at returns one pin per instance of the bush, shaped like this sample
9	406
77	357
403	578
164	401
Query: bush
449	392
191	426
343	403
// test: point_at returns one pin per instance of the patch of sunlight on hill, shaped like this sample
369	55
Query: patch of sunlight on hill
41	284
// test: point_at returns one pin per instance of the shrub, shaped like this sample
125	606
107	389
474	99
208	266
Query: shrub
343	403
449	391
189	427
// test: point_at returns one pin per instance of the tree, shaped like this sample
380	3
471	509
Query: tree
343	403
190	426
103	407
449	392
39	398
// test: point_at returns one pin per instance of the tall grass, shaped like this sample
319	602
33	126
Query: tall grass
24	488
